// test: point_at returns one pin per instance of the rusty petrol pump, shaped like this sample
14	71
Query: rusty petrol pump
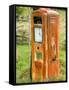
45	48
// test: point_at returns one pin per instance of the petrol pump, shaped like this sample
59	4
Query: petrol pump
53	45
45	48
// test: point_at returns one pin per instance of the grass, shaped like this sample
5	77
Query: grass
22	63
23	69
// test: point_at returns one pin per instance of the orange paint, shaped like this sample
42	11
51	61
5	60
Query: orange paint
45	54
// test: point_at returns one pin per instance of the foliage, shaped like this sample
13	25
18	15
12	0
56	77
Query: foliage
22	63
23	11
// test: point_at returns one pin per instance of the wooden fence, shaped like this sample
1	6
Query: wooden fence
22	30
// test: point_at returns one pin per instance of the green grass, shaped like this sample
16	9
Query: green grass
62	65
23	69
22	63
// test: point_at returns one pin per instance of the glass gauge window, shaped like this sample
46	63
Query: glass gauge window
37	20
38	34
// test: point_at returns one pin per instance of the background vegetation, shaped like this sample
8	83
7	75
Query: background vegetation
22	63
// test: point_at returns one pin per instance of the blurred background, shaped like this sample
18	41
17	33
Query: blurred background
23	44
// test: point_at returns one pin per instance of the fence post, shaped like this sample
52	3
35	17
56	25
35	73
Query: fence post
29	52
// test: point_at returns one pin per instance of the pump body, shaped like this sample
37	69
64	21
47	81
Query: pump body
45	48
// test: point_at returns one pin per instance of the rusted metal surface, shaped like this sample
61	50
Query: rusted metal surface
48	65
